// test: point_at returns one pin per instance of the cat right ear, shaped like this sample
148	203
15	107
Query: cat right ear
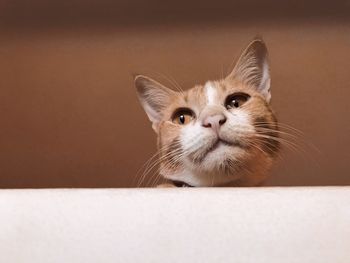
154	97
252	68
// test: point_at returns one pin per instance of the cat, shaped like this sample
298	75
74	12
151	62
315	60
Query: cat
222	133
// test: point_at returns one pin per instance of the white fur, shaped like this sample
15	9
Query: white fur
239	120
210	93
194	137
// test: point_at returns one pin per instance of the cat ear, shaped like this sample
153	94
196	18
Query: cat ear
154	97
252	68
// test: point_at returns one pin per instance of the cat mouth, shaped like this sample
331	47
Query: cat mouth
217	144
200	156
221	142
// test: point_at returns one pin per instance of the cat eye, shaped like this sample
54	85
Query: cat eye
183	116
236	100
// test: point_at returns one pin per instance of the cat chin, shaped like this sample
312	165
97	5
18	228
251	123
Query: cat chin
221	156
226	167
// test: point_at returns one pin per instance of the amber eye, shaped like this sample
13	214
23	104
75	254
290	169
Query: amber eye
183	116
236	100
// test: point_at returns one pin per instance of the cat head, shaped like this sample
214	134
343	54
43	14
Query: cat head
220	133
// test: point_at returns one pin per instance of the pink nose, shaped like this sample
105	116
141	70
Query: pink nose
214	121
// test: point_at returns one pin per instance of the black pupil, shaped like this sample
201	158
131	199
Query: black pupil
236	100
182	119
235	103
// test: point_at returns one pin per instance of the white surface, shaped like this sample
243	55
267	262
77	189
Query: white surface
176	225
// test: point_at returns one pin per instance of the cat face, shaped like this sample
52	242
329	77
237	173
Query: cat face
219	133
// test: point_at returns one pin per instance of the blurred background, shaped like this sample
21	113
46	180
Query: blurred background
68	109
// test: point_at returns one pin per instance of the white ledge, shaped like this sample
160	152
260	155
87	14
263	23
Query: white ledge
301	224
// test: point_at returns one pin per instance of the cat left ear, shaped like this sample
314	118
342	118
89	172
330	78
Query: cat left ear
154	98
252	68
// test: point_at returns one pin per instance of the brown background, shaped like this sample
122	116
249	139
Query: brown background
68	110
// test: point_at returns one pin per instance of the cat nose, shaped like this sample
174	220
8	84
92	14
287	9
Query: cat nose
214	121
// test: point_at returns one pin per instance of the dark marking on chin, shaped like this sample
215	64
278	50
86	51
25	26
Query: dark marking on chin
196	158
230	166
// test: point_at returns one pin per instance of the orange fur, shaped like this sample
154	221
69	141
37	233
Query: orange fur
232	138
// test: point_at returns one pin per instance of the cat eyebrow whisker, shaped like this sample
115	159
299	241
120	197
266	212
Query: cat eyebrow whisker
172	81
